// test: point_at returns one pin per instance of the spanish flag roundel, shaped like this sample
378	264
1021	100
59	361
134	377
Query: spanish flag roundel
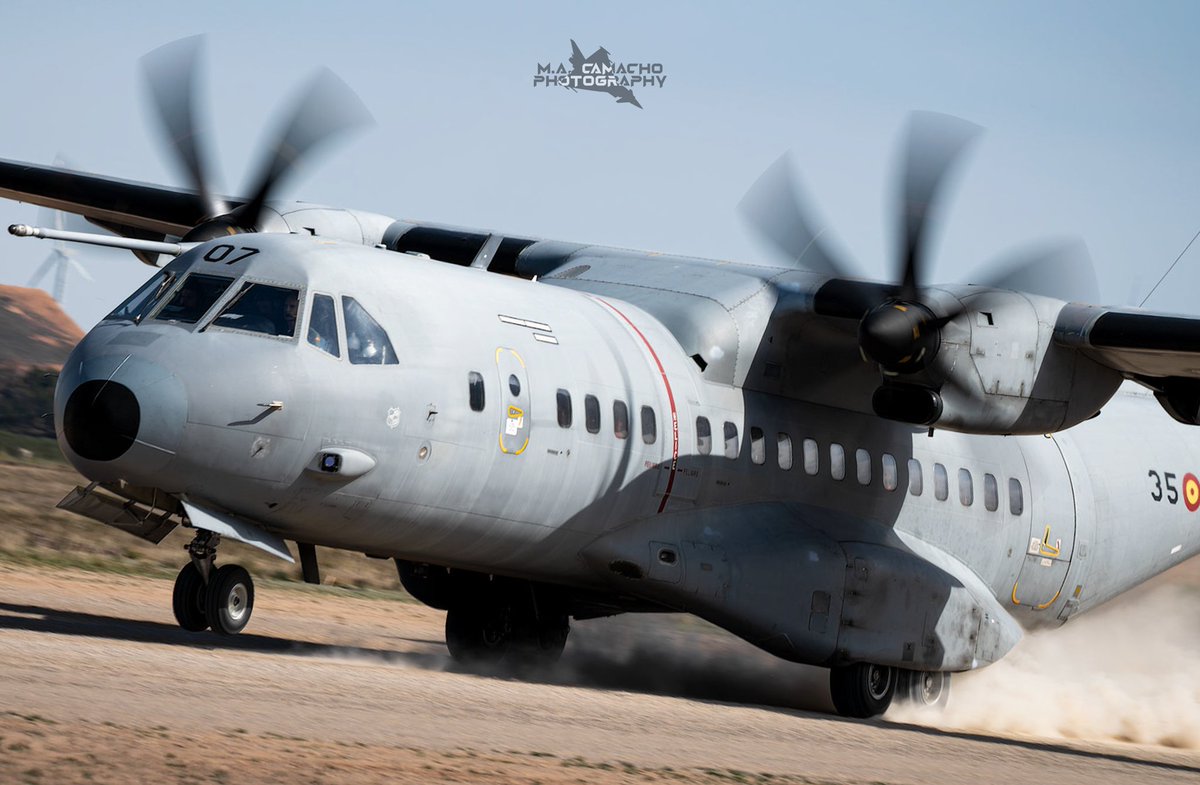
1191	492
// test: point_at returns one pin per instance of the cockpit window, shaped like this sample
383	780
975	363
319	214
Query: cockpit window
366	342
138	304
261	308
193	299
322	325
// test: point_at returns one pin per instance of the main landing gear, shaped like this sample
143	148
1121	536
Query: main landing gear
504	631
864	689
209	596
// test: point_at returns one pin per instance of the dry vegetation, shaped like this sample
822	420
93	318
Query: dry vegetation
33	530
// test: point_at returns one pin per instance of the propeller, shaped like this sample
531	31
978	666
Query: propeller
899	325
324	109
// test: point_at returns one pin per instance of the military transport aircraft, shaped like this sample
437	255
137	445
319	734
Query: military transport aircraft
888	479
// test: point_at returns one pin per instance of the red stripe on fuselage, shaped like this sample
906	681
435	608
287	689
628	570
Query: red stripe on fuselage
670	400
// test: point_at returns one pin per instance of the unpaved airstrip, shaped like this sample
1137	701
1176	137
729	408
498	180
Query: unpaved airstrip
329	685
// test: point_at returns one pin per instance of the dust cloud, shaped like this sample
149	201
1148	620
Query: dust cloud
1129	672
667	654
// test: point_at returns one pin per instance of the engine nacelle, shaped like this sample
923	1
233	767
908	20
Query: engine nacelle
1004	373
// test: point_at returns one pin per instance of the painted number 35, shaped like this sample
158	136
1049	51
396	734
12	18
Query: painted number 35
1162	486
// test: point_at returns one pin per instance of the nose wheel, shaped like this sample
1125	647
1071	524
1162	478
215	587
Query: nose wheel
207	596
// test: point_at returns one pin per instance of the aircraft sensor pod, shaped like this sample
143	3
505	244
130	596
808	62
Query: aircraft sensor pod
341	462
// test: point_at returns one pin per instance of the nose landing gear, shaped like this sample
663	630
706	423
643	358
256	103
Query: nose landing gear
207	596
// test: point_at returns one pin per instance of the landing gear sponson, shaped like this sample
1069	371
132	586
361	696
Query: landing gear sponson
207	596
864	690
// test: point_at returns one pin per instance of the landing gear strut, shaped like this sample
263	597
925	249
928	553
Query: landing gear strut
207	596
511	629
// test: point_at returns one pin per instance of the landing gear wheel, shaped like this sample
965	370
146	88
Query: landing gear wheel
926	689
545	640
229	599
188	599
863	689
479	635
491	634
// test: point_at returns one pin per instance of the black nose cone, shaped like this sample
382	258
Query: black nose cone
101	420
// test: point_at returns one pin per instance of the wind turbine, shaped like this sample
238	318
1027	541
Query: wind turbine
62	259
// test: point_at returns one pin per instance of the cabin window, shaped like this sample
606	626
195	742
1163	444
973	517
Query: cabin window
591	413
564	408
193	299
1016	500
916	479
991	493
758	446
812	457
890	478
322	325
784	451
366	341
862	466
966	488
731	441
620	420
941	483
475	390
703	436
837	461
259	308
649	426
514	385
138	304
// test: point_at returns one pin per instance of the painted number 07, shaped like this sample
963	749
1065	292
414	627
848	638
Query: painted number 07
222	252
1164	482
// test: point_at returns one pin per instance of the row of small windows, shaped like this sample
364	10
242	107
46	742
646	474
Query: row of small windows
810	451
863	467
565	409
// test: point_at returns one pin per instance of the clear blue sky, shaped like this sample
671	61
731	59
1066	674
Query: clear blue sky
1092	111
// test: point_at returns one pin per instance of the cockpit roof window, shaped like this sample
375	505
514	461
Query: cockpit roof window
262	308
141	302
366	341
193	298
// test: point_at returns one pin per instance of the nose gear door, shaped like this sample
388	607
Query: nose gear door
514	398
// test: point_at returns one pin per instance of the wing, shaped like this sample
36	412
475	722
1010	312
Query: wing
1161	351
1140	344
126	207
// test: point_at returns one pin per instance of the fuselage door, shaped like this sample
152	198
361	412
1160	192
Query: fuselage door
514	400
1050	509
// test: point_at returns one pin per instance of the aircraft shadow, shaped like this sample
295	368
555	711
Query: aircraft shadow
651	668
34	618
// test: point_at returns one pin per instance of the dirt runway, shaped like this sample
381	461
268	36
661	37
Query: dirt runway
97	684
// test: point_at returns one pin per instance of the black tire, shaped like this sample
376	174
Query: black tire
541	644
479	635
229	600
923	689
862	690
188	599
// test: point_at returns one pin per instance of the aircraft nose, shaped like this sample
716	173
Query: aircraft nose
119	416
101	420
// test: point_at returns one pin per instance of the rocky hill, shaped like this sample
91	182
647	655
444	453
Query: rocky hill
35	338
34	331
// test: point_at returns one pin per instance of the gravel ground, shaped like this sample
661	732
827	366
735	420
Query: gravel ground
97	684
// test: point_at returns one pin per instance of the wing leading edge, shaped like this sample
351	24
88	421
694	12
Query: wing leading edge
126	207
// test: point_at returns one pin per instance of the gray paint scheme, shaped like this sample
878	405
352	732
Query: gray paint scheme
811	568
